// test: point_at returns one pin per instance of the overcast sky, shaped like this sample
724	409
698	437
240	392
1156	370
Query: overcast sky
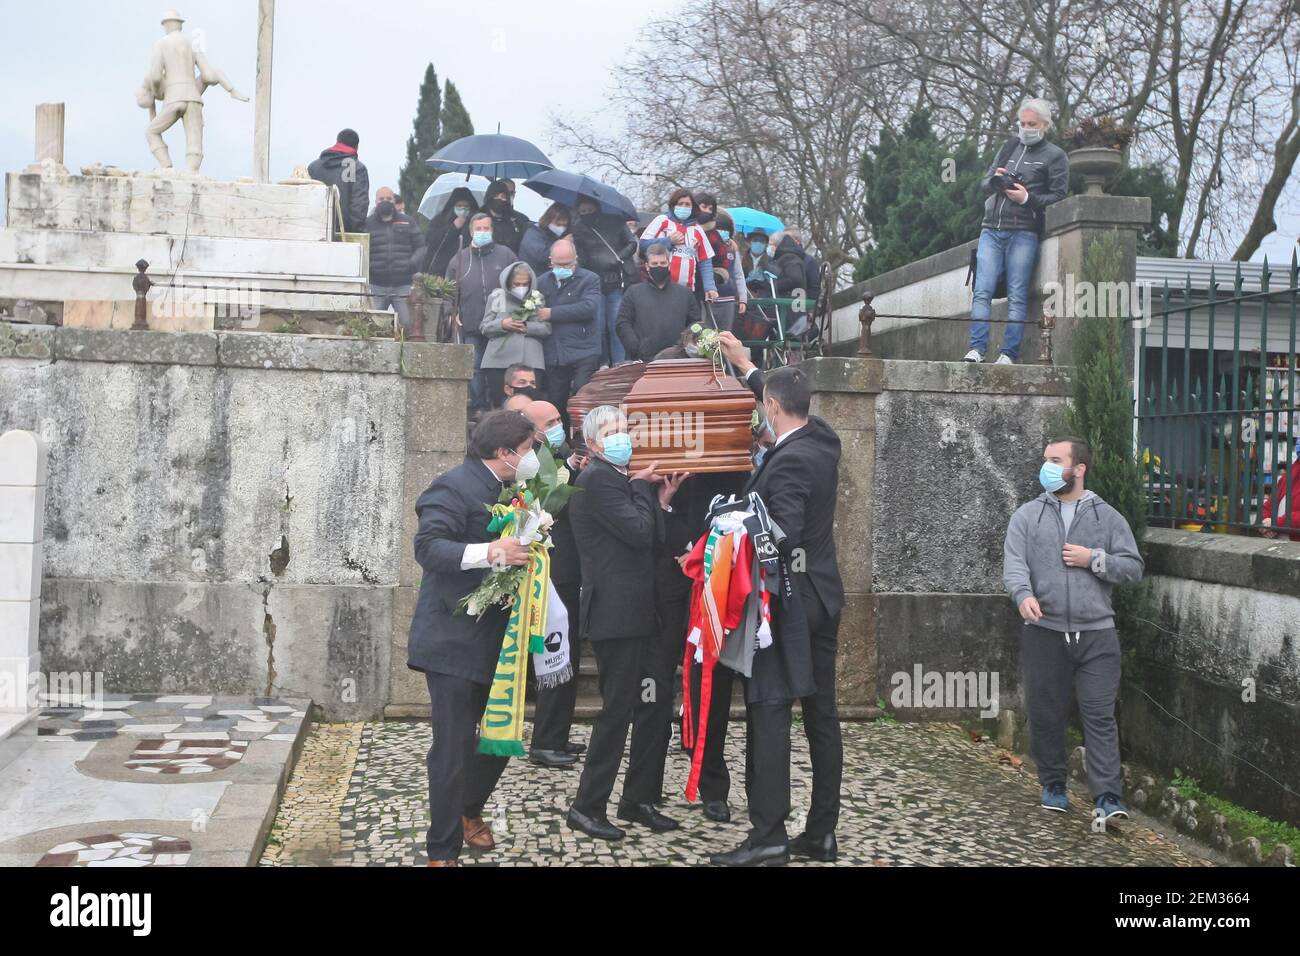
336	64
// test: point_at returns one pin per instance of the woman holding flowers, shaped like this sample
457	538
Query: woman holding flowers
514	332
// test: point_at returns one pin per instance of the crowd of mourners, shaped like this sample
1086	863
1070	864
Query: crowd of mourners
546	304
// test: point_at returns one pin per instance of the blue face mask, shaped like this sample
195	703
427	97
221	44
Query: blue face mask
1051	477
759	454
724	235
617	448
555	435
461	212
562	272
683	212
758	248
481	239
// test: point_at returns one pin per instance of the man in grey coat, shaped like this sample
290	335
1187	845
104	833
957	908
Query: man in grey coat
1064	553
477	271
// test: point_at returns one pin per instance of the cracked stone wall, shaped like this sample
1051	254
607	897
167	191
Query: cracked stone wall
227	511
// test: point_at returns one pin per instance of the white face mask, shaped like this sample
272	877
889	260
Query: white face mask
519	291
1029	137
528	466
556	228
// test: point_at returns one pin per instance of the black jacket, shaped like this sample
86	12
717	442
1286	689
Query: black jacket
565	568
789	267
1044	167
617	522
509	230
395	250
451	515
607	248
354	190
442	241
651	319
797	481
575	316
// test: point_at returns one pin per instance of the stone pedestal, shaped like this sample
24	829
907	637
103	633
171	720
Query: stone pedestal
22	522
49	134
72	242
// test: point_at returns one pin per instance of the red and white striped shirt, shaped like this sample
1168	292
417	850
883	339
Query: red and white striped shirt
682	259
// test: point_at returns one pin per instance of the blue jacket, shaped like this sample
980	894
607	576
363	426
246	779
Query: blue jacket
575	308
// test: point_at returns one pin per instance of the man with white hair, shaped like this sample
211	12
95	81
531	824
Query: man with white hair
617	519
1028	175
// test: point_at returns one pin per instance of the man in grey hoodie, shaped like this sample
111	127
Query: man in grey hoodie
1065	551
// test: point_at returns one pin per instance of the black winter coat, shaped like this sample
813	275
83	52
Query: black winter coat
354	187
395	250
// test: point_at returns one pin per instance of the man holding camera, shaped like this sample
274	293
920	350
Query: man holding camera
1028	175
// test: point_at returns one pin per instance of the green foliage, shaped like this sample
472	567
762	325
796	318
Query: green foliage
923	196
436	287
415	175
1241	822
1153	182
1101	413
290	326
455	118
886	716
360	326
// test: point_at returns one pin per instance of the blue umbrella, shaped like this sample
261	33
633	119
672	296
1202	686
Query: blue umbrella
492	155
560	186
747	220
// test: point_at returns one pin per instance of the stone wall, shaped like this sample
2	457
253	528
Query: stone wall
232	512
1230	613
937	455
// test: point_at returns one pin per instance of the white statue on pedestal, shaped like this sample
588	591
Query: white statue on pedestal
172	80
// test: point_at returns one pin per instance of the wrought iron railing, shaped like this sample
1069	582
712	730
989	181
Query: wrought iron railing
1217	417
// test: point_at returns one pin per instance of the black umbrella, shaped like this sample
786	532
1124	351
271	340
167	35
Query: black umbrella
493	155
561	186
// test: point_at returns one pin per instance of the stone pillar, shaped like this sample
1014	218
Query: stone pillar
844	395
49	132
437	391
1073	223
262	93
22	522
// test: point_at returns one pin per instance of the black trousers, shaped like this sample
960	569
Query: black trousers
767	752
563	380
670	646
460	778
622	664
553	717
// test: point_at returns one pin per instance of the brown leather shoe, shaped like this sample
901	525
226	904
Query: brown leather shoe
478	835
444	863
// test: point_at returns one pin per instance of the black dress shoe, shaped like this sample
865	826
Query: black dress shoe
552	758
646	815
575	749
747	855
823	849
717	811
598	827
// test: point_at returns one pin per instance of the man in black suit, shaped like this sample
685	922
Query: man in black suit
797	481
617	520
457	652
553	717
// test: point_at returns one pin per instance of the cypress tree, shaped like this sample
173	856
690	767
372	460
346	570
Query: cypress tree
455	118
423	142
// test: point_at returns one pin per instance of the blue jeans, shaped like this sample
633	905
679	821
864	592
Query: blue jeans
476	397
1016	251
611	349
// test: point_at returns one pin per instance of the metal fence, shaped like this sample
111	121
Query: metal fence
1216	402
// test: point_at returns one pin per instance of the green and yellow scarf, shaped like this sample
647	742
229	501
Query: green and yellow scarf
501	732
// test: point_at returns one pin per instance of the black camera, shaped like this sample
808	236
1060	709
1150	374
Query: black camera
1007	180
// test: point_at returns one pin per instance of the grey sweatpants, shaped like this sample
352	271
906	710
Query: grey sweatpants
1054	668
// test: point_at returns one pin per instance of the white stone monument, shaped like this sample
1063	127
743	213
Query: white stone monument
22	524
219	253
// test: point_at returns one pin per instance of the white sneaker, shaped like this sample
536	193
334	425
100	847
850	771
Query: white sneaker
974	356
1004	359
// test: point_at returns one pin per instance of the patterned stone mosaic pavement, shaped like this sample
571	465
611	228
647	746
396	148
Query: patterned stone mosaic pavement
149	780
914	794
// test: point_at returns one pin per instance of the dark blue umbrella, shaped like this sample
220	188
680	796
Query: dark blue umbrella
493	155
560	186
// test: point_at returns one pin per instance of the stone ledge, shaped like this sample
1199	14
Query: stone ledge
1073	212
145	347
307	353
430	360
1261	564
904	375
26	341
833	374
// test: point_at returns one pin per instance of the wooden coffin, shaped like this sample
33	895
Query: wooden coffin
689	417
609	386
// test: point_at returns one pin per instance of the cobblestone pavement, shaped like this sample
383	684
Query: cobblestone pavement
914	794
